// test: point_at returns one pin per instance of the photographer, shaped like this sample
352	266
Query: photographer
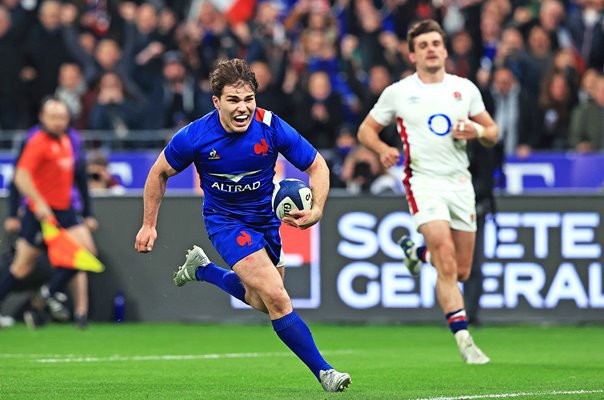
363	173
100	180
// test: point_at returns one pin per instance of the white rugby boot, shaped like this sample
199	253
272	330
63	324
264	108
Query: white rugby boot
413	263
334	381
187	272
470	353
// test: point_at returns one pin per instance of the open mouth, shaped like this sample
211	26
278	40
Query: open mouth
241	119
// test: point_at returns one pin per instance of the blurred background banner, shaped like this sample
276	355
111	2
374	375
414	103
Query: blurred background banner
543	264
554	172
131	168
539	172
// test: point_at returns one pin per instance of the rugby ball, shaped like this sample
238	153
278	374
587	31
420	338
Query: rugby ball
291	194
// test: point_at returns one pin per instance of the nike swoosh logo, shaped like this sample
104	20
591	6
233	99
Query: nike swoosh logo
235	177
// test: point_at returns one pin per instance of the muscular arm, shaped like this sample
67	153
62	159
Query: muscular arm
155	188
318	173
369	136
491	132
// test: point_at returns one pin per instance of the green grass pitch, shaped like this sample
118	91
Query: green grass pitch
178	361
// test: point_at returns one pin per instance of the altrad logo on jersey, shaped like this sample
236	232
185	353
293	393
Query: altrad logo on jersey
244	239
261	148
234	188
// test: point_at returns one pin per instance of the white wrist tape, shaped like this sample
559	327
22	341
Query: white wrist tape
479	129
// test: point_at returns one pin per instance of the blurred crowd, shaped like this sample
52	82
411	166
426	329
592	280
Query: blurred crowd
128	66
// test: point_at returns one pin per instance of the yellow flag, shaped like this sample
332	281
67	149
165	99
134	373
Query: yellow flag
64	251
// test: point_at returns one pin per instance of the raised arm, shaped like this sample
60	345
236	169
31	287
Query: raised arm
155	188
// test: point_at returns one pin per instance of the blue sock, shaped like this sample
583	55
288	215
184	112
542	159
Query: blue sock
59	279
457	320
295	334
223	278
7	281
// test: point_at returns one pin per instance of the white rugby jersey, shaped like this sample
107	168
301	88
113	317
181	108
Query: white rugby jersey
425	114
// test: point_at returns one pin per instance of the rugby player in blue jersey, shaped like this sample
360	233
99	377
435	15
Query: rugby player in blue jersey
234	149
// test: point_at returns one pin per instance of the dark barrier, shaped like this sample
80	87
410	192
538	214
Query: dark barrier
544	264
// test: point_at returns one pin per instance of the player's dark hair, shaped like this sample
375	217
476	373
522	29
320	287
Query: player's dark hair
234	72
52	98
421	27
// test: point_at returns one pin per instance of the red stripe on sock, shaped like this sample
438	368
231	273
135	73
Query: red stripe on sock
456	319
422	256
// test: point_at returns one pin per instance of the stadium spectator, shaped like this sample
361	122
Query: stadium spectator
566	61
98	57
270	89
240	222
553	116
211	31
346	141
294	39
552	16
462	60
166	27
587	122
71	89
490	32
145	48
100	179
362	172
587	30
536	61
188	38
370	28
44	52
437	182
588	81
99	17
510	107
510	53
87	41
319	112
264	35
47	183
176	103
378	79
12	100
115	108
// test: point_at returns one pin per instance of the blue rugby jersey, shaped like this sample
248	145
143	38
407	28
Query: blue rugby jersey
236	170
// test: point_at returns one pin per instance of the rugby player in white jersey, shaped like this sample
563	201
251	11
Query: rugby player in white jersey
436	114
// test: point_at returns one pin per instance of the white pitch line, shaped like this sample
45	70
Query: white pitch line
19	356
521	394
178	357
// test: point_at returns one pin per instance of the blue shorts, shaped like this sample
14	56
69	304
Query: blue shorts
31	230
235	240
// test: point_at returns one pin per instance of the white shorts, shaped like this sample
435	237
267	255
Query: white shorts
443	199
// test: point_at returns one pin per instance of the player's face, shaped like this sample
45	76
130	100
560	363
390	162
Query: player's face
236	107
55	118
430	52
